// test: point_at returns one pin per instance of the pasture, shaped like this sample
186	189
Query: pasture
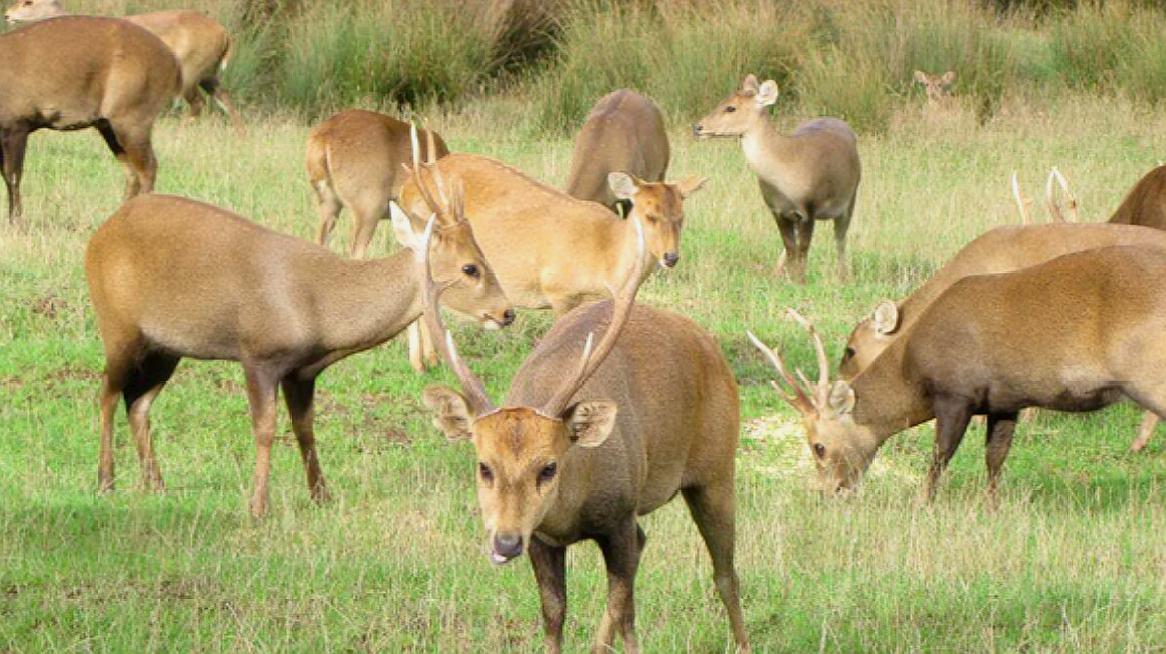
1072	560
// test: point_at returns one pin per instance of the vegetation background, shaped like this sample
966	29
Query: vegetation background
1073	560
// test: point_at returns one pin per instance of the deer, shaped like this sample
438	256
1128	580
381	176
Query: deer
354	161
595	434
201	44
807	176
75	72
549	249
938	87
623	133
1075	333
171	277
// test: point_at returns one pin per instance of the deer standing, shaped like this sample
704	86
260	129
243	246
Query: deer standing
75	72
172	278
623	133
807	176
201	44
588	441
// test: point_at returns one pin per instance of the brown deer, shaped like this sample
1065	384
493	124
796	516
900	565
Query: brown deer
623	133
172	278
938	87
1076	333
807	176
355	161
201	44
75	72
591	438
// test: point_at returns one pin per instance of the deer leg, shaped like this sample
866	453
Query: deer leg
145	382
1145	431
789	239
805	235
215	90
429	352
299	395
327	207
367	214
714	511
13	141
550	570
998	441
841	226
621	554
131	146
261	392
951	421
194	103
119	361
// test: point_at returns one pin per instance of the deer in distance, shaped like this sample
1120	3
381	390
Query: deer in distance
1075	333
938	87
624	133
201	44
807	176
591	438
75	72
171	277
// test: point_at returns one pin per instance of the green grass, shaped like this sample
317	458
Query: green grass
1073	559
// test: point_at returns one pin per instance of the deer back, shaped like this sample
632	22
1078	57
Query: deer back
623	133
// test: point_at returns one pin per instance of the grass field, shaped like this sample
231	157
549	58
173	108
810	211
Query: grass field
1073	559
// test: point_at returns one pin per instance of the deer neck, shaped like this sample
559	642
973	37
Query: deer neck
622	244
365	303
767	150
887	398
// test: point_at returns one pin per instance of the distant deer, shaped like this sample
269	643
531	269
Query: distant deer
172	278
807	176
201	44
1075	333
76	72
355	161
938	87
551	250
623	133
591	438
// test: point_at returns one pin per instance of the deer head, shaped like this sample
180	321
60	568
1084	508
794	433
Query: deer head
869	338
938	87
739	112
26	11
659	207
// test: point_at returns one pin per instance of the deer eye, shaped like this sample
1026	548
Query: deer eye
548	472
471	270
730	109
819	450
848	354
485	473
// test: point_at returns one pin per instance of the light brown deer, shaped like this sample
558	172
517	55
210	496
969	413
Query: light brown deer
938	88
201	44
1076	333
623	133
589	441
76	72
807	176
355	161
172	278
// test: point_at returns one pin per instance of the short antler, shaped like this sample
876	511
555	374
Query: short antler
473	388
798	397
450	211
805	397
621	308
1050	200
822	391
1021	203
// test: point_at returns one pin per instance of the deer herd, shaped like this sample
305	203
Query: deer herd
620	406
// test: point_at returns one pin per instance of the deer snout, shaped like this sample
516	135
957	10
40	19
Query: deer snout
505	548
697	128
670	259
507	317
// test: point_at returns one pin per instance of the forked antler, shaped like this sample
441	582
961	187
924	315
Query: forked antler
1021	203
473	388
1050	201
621	308
806	398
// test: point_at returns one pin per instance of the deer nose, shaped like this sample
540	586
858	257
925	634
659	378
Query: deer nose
507	317
670	258
697	129
507	546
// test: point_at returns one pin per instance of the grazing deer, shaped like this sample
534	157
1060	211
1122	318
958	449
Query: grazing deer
355	160
623	133
586	443
1076	333
809	175
172	278
201	44
938	87
75	72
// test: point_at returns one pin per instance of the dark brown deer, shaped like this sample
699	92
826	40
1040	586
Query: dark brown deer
79	71
591	438
1076	333
172	278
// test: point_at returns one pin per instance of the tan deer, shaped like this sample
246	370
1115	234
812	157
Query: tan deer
172	278
623	133
1075	333
591	438
76	72
938	88
201	44
807	176
549	249
354	160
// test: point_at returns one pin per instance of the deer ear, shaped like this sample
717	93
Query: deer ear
767	94
948	78
622	185
886	318
690	185
590	423
750	83
920	77
841	398
453	413
403	227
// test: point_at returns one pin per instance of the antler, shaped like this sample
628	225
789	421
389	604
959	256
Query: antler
444	207
1054	209
430	292
822	392
621	308
798	398
806	398
1020	201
